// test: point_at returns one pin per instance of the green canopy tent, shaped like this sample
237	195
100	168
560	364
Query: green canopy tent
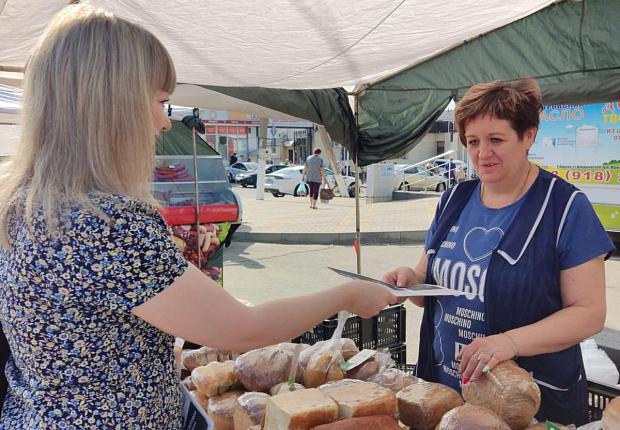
568	47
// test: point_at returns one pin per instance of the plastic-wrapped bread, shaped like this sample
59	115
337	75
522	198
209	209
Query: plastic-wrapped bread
365	371
543	426
509	391
221	409
200	398
471	417
291	347
323	364
323	367
300	410
347	347
214	378
395	379
611	415
421	406
188	384
261	369
377	422
249	410
283	387
371	368
363	399
193	358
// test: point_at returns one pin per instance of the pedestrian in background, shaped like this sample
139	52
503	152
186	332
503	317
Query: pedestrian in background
314	175
450	172
233	158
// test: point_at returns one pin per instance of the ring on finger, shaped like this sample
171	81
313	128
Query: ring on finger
479	357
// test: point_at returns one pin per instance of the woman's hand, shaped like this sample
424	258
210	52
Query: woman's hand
367	299
402	277
483	354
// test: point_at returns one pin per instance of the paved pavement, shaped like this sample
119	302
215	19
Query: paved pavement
290	220
284	247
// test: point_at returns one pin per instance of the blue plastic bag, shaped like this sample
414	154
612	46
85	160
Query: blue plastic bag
302	189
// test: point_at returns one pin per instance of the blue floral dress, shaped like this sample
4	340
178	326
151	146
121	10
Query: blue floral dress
80	359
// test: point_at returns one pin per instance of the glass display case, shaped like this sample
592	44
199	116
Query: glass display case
197	202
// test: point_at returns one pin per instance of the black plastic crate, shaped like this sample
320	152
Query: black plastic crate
386	329
599	395
399	353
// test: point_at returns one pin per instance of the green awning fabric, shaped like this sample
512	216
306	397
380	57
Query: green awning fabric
178	141
570	48
328	107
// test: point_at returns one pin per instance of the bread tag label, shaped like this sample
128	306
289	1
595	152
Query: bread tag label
357	359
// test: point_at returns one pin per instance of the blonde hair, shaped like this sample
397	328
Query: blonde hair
87	123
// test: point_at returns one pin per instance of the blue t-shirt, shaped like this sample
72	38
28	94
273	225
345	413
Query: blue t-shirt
462	260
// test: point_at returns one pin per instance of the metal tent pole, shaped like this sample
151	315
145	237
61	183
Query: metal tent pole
196	197
358	244
358	248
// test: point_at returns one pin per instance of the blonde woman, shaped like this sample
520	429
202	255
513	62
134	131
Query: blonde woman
92	289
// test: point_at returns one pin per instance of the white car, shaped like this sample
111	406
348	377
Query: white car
418	178
240	167
288	181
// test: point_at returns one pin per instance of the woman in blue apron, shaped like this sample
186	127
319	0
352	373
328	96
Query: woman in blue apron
526	249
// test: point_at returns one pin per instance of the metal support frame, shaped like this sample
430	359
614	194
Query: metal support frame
358	235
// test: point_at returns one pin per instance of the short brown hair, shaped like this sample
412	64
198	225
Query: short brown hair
317	151
519	102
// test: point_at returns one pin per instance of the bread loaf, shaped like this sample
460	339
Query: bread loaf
292	347
283	387
221	410
323	367
421	406
214	378
472	417
261	369
188	384
363	399
509	391
378	422
346	346
201	399
365	371
249	410
328	386
372	367
394	379
611	415
300	410
543	426
193	358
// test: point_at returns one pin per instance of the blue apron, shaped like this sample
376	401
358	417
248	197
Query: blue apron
523	287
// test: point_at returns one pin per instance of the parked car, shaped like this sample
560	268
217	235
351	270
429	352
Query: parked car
240	167
441	164
418	178
248	179
288	181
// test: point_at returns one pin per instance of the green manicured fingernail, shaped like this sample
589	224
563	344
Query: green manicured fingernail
486	369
